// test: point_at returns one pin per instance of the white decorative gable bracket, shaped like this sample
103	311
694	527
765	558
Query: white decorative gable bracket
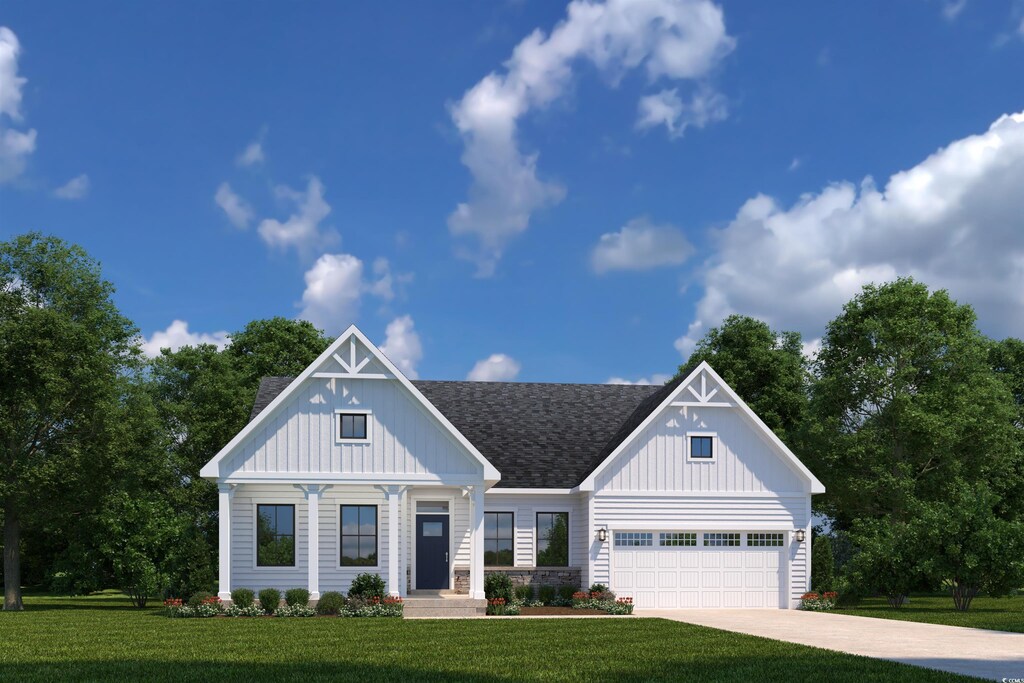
703	396
352	368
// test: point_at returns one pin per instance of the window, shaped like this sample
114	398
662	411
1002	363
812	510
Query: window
633	538
275	535
359	535
439	507
761	540
718	540
686	538
498	539
552	539
702	447
352	426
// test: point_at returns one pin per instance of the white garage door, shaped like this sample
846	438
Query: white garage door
699	569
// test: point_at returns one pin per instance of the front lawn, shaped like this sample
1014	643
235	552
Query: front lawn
998	614
102	638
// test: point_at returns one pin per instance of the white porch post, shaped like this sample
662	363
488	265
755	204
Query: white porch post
225	492
476	563
313	539
394	585
403	542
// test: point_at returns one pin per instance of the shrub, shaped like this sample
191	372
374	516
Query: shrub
295	611
498	586
818	602
823	564
270	598
331	603
565	594
496	606
373	607
249	611
602	600
296	597
198	598
523	594
850	594
619	606
242	597
367	586
598	588
209	606
547	594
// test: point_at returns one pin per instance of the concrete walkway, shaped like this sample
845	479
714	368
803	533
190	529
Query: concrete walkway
994	655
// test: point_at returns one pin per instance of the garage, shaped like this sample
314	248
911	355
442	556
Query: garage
670	569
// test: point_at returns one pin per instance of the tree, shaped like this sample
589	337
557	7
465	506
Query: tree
63	345
823	564
887	558
964	542
275	346
766	368
906	401
139	534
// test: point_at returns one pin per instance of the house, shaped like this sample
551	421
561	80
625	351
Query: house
676	496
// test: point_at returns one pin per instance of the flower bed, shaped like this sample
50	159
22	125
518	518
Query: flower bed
205	605
602	600
818	602
499	607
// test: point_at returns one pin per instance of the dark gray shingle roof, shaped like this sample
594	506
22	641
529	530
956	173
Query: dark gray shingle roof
538	435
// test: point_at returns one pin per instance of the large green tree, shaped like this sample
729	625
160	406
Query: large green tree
906	401
63	346
766	368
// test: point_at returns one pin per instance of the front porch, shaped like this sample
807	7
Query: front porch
320	536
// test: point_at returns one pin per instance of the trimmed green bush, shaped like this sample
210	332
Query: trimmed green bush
331	603
598	588
270	598
197	598
524	593
242	597
823	564
547	594
498	586
367	586
296	597
565	594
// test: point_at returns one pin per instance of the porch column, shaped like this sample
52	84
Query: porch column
225	492
403	542
476	563
313	493
394	585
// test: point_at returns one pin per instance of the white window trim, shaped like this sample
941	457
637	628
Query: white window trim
338	412
295	503
415	496
549	509
714	446
361	567
515	537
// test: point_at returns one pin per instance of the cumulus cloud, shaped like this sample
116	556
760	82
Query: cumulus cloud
402	345
676	39
655	379
177	335
252	155
668	109
301	231
76	188
238	211
15	145
640	245
497	367
335	285
952	221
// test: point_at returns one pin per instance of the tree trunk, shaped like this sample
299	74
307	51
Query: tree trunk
963	595
12	559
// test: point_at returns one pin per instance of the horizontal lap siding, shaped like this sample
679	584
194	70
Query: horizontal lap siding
333	577
244	573
300	435
655	513
525	509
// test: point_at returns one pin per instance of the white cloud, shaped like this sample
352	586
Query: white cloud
76	188
383	285
15	145
796	163
953	221
238	211
951	9
640	245
301	230
177	335
655	379
252	155
668	109
402	345
495	368
682	39
334	289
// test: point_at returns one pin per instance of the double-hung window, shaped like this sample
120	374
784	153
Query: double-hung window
359	535
275	535
498	539
552	539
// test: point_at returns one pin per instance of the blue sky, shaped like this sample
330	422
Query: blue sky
634	174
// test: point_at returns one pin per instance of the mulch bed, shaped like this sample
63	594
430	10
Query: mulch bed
527	611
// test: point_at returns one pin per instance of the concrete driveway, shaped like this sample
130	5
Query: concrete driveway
986	654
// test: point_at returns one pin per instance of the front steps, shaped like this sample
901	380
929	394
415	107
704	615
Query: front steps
432	605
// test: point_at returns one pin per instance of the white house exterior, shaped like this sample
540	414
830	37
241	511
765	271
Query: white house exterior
676	496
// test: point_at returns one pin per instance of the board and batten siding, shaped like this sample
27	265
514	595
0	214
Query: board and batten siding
525	509
301	434
701	513
656	459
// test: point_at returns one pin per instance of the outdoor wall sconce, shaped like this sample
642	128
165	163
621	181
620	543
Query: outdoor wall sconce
799	536
602	535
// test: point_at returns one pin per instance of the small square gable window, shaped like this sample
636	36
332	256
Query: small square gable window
353	427
701	446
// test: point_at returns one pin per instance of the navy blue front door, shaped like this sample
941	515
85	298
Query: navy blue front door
432	548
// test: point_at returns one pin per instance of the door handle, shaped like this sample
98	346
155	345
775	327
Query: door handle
446	557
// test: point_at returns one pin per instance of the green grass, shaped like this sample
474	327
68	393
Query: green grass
998	614
102	638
